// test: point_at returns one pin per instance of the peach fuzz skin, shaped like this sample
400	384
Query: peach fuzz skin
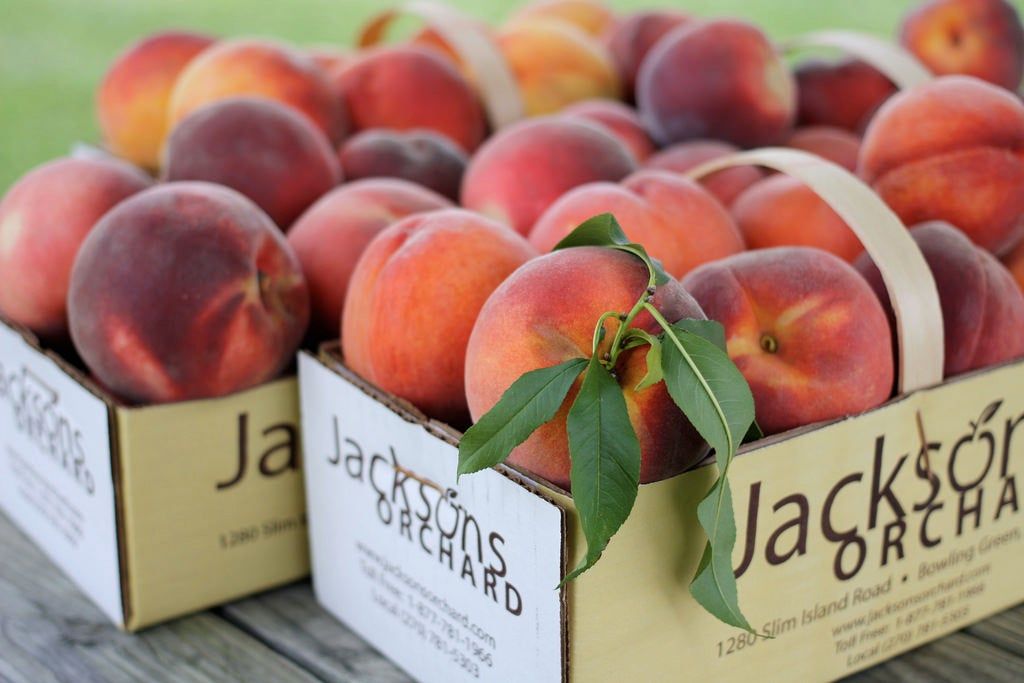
804	328
412	301
44	218
952	150
844	93
982	307
523	169
981	38
186	291
782	211
405	87
678	221
632	38
294	166
530	322
620	120
134	96
555	64
260	68
720	79
331	235
726	184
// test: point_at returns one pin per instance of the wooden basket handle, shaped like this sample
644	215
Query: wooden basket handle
496	83
901	67
907	277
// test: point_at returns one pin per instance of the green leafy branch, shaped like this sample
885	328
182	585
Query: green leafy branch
690	357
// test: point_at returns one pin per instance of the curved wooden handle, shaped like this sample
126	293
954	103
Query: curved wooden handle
907	277
900	66
495	81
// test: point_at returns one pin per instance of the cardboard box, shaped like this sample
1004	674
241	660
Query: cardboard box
153	511
856	543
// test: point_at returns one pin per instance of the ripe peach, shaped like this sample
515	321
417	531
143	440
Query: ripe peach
545	314
412	301
265	150
719	79
132	100
619	119
44	218
781	211
525	167
953	150
844	94
828	142
631	39
678	221
556	64
981	38
726	184
420	156
409	86
1014	261
805	330
982	307
259	68
186	291
331	236
592	17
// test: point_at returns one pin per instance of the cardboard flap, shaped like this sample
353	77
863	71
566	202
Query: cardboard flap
460	574
56	477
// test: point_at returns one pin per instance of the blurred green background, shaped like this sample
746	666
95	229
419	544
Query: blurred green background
54	52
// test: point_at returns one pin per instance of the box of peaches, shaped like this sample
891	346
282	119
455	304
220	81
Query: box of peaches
716	369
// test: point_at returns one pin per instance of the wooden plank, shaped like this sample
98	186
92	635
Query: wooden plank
50	632
1004	630
956	658
291	622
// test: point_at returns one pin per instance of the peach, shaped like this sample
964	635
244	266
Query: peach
1014	261
330	59
331	236
265	150
982	307
530	323
805	330
134	96
631	39
981	38
828	142
44	218
844	94
592	17
408	86
186	291
259	68
412	301
726	184
619	119
718	79
953	150
781	211
679	222
556	64
420	156
525	167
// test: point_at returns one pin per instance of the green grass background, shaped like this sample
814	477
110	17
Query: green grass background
54	52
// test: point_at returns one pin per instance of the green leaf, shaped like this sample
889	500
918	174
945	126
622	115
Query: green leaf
604	231
654	371
605	454
712	393
532	400
714	586
711	330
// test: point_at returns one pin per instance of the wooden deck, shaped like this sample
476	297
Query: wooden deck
50	632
